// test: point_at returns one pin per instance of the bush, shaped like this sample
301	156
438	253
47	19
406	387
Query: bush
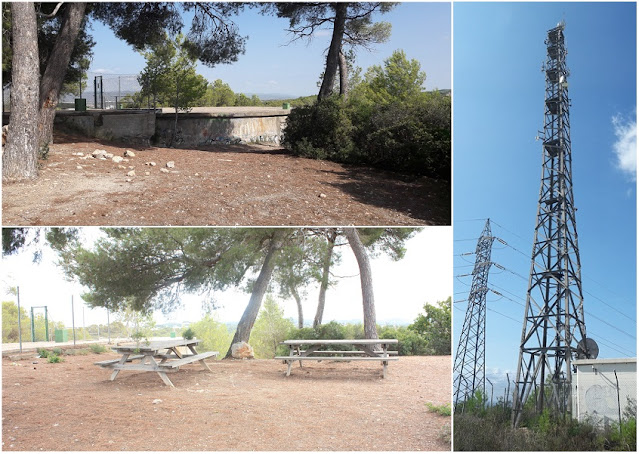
188	334
320	131
409	137
409	342
43	353
97	348
388	122
54	359
271	328
57	351
443	410
214	335
76	351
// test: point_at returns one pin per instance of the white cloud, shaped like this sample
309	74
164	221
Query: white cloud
625	146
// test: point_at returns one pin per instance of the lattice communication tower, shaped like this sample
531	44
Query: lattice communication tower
554	331
470	361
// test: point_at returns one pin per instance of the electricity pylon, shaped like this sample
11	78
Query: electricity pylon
470	360
553	331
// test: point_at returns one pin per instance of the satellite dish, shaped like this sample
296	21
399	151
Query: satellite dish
587	349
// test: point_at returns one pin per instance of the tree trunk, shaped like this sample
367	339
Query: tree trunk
56	70
343	76
332	59
244	327
177	103
300	313
20	158
326	266
366	278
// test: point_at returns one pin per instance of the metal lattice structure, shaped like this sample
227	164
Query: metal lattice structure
469	371
554	315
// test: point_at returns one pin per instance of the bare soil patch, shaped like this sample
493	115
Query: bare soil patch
240	406
250	185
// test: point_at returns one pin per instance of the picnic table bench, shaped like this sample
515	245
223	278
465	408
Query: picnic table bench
157	356
367	350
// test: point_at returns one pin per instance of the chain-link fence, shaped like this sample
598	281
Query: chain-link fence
100	91
112	91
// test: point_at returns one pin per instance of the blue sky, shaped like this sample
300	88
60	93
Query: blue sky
422	30
497	110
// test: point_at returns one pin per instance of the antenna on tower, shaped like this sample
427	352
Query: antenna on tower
469	371
554	331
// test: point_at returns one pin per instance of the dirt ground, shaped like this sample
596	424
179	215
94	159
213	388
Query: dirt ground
252	185
239	406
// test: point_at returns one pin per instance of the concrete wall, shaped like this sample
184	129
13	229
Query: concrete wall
204	126
200	129
132	127
594	393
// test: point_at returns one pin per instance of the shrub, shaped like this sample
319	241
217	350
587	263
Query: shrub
409	342
443	410
188	334
55	359
43	353
97	348
214	335
409	137
321	131
57	351
271	328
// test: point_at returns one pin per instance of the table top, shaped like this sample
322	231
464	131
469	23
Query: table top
340	341
154	346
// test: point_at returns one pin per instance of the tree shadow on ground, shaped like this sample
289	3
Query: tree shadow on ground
422	198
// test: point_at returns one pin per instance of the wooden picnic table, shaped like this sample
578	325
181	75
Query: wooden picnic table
367	350
156	356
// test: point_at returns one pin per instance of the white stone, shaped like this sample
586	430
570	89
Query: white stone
242	350
129	154
170	164
117	159
131	173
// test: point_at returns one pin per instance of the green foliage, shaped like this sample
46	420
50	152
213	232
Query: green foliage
399	80
97	348
388	122
270	329
52	358
296	102
320	131
476	405
57	351
214	335
409	341
218	94
188	334
10	322
443	410
207	260
48	30
481	428
43	353
170	74
435	326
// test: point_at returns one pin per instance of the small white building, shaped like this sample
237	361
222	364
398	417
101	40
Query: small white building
597	394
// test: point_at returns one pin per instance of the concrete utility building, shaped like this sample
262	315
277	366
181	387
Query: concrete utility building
602	388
